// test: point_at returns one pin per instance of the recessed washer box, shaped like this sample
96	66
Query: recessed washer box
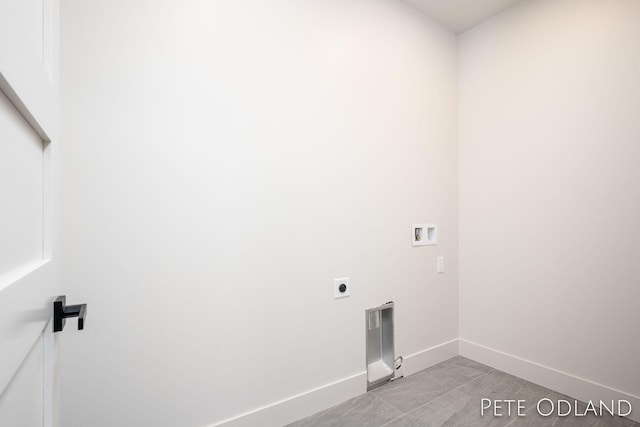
380	345
424	234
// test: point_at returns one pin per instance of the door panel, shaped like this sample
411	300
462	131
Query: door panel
25	310
29	279
21	404
28	71
24	17
21	178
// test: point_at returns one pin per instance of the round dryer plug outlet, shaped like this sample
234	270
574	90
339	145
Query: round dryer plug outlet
341	287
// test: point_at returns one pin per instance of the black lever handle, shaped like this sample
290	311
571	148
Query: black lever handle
61	311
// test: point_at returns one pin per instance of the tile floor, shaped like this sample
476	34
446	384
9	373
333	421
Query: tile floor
449	394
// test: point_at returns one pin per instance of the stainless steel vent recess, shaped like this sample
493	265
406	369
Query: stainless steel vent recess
380	346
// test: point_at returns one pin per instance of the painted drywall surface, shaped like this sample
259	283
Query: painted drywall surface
549	202
460	15
223	162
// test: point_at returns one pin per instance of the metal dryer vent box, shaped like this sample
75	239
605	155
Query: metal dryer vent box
380	345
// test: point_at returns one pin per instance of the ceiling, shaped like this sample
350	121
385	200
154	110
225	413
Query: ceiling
460	15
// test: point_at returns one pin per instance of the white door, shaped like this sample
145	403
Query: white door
28	266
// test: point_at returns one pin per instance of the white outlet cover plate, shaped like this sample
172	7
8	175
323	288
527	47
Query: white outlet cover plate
336	287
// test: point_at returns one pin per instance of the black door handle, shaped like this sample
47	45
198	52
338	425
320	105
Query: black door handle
61	311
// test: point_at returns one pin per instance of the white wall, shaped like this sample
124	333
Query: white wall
223	162
549	201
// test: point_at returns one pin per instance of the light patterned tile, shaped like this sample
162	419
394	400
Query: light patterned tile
409	393
535	419
498	385
364	410
455	408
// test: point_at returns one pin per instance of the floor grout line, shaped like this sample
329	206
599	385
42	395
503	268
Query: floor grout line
444	394
529	411
531	408
390	421
388	403
438	397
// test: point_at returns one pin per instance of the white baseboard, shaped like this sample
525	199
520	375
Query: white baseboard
432	356
318	399
562	382
302	405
